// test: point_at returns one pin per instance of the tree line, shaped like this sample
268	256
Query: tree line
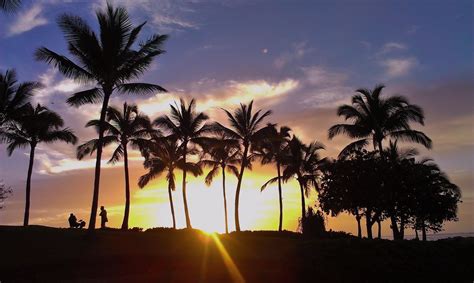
383	183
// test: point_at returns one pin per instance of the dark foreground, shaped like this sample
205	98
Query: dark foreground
40	254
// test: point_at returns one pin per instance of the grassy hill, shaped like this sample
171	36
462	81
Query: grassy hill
44	254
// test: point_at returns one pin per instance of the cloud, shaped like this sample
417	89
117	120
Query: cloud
397	67
390	47
413	29
299	50
27	20
53	86
212	95
323	87
165	15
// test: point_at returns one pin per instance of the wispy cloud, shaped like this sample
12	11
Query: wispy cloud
390	47
165	15
397	67
28	20
298	51
323	87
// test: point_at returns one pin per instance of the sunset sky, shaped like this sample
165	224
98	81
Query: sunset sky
299	58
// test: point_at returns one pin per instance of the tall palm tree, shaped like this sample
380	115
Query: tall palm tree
36	125
223	155
108	61
374	119
14	96
9	5
189	128
274	149
303	163
123	128
162	155
245	126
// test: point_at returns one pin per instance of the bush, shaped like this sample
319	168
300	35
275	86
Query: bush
314	224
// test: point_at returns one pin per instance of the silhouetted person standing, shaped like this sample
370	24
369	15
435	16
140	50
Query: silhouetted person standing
103	217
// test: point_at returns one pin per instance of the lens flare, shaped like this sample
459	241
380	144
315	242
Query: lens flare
228	261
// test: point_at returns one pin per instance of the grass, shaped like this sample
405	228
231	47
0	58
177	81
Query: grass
46	254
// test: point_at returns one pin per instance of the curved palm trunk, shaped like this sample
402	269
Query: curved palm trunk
170	195
26	217
95	197
127	189
185	201
280	223
303	203
225	200
239	184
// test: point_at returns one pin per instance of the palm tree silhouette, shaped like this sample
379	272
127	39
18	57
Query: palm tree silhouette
162	155
375	118
9	5
36	125
222	154
244	127
274	149
123	128
303	163
189	128
14	96
108	61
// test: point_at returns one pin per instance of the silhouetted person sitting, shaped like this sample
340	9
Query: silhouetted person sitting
73	223
103	217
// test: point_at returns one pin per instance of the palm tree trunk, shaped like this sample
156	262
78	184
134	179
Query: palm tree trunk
95	197
423	231
185	201
170	195
303	203
280	223
416	234
28	186
237	191
127	189
225	200
379	232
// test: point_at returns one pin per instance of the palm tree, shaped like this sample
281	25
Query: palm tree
162	155
108	61
374	119
189	128
36	125
9	5
244	127
303	163
123	128
223	154
14	96
273	149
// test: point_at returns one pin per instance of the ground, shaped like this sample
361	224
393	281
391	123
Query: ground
42	254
